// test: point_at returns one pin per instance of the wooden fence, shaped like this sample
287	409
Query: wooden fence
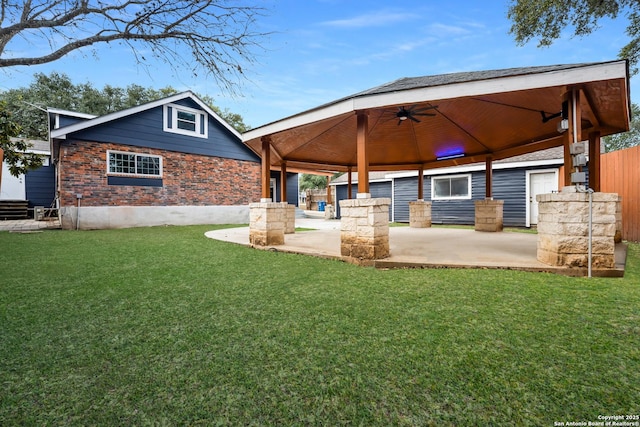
620	173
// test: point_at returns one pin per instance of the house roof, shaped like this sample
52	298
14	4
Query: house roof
98	120
497	112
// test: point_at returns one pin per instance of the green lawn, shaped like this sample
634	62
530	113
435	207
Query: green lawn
162	326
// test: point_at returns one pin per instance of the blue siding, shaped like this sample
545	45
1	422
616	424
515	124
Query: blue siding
145	129
39	186
292	187
509	185
377	190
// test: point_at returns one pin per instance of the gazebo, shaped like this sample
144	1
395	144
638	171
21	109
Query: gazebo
445	120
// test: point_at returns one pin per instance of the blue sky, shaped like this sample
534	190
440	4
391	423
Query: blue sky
322	50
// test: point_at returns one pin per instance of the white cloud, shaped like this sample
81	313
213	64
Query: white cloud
374	19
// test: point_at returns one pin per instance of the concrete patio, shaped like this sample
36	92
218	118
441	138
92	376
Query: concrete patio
433	247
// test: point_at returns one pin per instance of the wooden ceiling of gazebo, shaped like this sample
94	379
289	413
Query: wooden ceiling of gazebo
498	113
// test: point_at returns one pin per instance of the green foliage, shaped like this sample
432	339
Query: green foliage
310	182
15	154
162	326
58	91
546	19
628	139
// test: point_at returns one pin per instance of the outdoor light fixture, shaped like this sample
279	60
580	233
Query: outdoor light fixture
451	156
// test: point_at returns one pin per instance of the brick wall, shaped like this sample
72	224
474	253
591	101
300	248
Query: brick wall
187	179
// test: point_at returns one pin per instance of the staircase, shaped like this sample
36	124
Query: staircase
14	209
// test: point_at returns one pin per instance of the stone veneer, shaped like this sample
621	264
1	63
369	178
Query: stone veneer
420	214
268	222
563	229
489	214
364	228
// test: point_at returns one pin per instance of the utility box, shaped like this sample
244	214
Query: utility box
38	213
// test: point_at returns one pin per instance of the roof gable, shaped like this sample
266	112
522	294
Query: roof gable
66	130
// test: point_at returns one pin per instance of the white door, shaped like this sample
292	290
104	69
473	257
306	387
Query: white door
11	188
540	183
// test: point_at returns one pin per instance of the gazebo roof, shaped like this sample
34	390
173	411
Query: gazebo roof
501	113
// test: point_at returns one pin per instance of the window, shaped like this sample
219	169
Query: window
185	121
451	187
143	165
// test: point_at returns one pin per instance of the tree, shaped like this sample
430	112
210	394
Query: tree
217	36
12	149
310	182
626	139
547	18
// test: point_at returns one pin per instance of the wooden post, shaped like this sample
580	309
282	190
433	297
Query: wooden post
594	161
283	182
574	133
266	168
362	154
489	178
421	183
329	201
349	183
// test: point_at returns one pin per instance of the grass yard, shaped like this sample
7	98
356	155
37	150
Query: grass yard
162	326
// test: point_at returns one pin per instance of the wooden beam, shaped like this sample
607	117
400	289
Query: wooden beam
266	167
594	161
362	154
488	178
283	182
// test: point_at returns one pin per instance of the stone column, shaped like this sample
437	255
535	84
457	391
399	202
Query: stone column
420	214
267	223
563	229
364	228
489	214
290	226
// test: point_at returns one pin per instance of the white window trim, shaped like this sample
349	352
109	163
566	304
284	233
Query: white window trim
202	121
137	175
433	187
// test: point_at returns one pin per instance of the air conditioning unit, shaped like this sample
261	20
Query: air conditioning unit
38	213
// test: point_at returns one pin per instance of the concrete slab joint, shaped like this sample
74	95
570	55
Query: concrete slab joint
563	229
489	215
364	228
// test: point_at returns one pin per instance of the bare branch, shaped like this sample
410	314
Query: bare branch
217	36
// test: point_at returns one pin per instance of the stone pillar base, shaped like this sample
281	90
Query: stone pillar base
420	214
364	228
290	225
328	212
563	229
489	214
267	223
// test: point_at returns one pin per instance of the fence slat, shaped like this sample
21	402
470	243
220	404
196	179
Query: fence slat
620	173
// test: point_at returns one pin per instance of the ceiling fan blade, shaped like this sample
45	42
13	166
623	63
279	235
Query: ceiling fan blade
420	110
414	119
424	114
399	121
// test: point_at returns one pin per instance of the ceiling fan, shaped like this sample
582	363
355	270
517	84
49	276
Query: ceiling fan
410	113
